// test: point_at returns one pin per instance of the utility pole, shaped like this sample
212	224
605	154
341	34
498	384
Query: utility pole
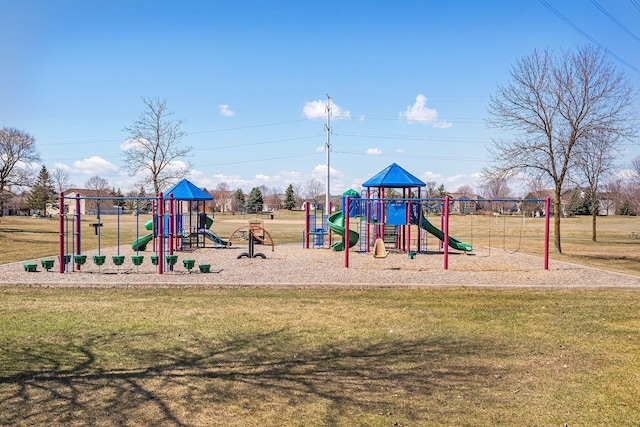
327	127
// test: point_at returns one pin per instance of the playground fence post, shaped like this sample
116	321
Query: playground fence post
77	232
345	238
61	232
547	206
306	226
160	232
446	232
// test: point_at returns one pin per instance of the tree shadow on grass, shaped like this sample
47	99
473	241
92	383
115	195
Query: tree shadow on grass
197	381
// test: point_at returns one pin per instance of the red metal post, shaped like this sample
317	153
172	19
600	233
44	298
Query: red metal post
306	224
446	232
345	238
160	232
367	212
172	225
547	207
409	225
77	231
61	231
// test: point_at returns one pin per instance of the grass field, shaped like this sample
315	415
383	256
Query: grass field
261	357
311	357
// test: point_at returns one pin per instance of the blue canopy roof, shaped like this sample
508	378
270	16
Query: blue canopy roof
393	176
185	190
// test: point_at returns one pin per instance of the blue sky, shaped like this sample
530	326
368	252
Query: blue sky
409	81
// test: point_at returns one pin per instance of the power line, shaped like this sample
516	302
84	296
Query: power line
417	138
587	36
261	159
247	127
416	156
249	144
614	20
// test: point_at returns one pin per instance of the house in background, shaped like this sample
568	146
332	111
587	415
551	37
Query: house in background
87	207
464	203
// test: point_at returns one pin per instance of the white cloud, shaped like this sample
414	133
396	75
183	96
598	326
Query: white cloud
431	176
225	111
453	182
318	110
626	174
420	113
133	143
291	176
31	165
374	151
95	165
320	173
61	166
205	179
267	179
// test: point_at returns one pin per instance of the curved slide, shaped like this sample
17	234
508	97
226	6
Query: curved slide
214	238
453	242
336	223
141	243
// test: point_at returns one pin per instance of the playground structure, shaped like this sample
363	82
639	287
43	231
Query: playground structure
316	233
172	228
390	210
254	233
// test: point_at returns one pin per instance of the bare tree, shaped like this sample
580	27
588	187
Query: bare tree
432	191
314	190
494	184
297	191
552	103
595	160
154	146
465	190
274	199
223	196
17	153
635	168
613	189
61	179
99	185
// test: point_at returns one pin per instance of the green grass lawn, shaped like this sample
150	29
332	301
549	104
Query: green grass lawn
316	357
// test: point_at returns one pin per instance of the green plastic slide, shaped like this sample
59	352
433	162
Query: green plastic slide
141	243
453	242
336	223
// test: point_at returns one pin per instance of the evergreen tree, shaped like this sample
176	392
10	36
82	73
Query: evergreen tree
118	193
42	192
255	201
626	209
238	200
289	198
579	204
